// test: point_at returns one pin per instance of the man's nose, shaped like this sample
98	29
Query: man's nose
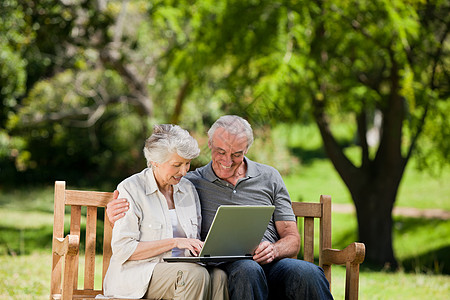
228	160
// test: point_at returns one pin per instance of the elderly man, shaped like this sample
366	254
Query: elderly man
233	179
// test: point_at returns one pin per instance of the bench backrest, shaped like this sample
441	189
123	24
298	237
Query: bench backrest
310	211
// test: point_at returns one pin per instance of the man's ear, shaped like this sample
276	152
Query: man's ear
209	144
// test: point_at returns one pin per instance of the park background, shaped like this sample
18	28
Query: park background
346	98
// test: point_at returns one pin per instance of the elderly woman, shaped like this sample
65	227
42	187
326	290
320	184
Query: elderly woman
163	220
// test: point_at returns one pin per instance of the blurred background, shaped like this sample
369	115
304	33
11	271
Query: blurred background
347	98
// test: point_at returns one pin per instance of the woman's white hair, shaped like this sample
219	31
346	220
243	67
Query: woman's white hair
234	125
168	139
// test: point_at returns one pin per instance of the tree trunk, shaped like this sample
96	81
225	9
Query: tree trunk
374	201
182	94
375	183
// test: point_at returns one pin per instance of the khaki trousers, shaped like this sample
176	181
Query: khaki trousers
187	281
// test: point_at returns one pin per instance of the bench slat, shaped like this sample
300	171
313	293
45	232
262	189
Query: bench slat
89	256
75	227
304	209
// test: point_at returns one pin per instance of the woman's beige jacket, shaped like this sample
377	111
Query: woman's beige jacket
147	220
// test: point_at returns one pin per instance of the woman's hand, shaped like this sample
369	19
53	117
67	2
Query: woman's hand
148	249
193	245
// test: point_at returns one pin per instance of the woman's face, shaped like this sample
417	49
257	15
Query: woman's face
171	171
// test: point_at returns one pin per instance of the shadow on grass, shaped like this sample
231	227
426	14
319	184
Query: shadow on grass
29	198
426	237
422	232
14	241
436	261
307	156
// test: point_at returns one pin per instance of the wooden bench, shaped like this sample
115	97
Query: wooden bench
66	248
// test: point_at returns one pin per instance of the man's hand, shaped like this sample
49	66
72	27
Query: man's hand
116	208
265	253
287	246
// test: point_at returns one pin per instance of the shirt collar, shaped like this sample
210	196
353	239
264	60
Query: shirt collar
151	186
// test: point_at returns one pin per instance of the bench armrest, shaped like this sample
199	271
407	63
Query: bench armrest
352	256
67	246
353	253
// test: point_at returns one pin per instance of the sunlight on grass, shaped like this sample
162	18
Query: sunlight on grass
28	219
29	198
98	273
25	277
421	190
318	178
28	277
382	285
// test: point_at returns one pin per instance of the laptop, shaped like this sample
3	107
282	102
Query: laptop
235	233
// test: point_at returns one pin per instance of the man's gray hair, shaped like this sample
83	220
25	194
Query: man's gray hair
168	139
234	125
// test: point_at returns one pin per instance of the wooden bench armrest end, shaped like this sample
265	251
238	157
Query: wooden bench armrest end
353	253
67	246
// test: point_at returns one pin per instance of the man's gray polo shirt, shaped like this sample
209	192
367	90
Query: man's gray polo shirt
262	185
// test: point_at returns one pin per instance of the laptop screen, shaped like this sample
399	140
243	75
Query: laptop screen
236	230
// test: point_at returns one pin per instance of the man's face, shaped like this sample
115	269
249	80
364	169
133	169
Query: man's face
227	152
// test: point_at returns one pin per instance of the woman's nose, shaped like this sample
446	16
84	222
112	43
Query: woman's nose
184	170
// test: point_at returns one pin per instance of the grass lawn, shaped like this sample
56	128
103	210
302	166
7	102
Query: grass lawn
25	276
399	285
28	277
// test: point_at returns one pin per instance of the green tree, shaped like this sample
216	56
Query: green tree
13	35
94	70
347	60
399	66
55	41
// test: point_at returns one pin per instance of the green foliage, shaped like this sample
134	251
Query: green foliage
13	38
437	130
71	70
341	60
343	55
273	151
